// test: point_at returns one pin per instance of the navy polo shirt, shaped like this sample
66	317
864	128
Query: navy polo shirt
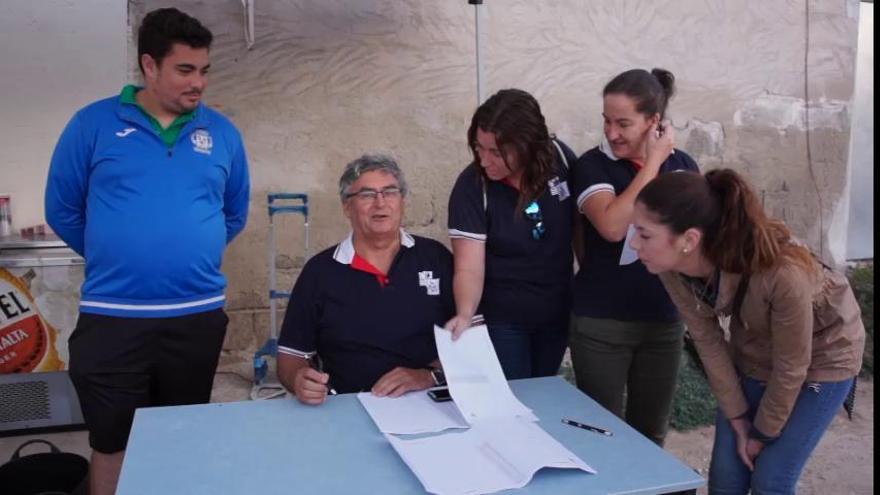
603	288
363	327
527	280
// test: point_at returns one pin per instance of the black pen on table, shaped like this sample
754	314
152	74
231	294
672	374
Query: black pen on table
315	363
585	426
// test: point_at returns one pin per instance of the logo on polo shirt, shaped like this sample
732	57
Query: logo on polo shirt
558	188
202	142
126	131
427	280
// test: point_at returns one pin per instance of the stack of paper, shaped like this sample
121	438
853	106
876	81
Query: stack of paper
476	383
491	456
503	447
411	413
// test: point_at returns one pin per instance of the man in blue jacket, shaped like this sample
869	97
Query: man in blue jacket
148	186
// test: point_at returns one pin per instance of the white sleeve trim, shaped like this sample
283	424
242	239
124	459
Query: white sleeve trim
296	353
594	189
458	234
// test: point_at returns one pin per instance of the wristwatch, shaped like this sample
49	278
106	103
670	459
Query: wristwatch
438	376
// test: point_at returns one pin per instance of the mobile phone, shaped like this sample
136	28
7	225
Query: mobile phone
440	394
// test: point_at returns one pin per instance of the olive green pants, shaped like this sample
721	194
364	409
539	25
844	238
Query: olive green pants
630	368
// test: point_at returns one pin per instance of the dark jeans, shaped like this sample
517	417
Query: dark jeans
635	363
779	465
526	352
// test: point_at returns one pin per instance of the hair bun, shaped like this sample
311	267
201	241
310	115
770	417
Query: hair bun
666	80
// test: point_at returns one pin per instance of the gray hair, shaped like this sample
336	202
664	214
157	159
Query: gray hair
369	163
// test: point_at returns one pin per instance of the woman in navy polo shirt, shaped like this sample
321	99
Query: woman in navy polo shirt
510	222
627	336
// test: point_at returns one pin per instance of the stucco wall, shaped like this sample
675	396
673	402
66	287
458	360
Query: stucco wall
327	81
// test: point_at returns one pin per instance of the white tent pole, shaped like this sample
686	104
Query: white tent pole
479	49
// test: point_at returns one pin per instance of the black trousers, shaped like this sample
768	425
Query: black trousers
120	364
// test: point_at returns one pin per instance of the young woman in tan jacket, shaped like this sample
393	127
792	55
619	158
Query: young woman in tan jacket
779	334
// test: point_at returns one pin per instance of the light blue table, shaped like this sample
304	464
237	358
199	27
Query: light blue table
282	447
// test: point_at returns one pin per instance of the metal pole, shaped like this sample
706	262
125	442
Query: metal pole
479	49
273	323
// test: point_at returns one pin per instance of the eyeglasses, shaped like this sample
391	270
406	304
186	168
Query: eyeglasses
533	213
367	195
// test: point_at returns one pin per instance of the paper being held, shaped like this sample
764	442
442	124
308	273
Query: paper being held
628	255
475	378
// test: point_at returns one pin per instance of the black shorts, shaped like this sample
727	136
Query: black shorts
120	364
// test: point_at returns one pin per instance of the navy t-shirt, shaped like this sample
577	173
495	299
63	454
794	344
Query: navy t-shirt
603	288
362	329
527	280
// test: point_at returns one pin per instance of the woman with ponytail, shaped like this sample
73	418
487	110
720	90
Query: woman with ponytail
779	334
626	336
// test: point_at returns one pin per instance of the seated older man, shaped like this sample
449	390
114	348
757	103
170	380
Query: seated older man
362	313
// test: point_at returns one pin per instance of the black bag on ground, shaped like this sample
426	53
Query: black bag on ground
45	473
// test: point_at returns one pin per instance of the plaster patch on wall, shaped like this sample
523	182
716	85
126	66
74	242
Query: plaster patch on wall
702	138
786	112
837	228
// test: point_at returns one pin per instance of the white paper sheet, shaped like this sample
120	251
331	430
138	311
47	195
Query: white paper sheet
411	413
628	255
474	376
491	456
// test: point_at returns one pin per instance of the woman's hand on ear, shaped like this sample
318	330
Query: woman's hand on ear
661	142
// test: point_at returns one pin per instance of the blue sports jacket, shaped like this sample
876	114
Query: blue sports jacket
151	220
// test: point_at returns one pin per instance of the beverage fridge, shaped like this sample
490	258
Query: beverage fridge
40	279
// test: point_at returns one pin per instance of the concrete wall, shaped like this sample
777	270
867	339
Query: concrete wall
328	80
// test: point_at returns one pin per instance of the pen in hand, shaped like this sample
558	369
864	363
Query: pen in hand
315	363
585	426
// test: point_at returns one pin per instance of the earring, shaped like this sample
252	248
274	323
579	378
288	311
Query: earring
684	250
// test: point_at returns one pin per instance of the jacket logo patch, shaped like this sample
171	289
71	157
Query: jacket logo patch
202	141
126	131
431	284
558	188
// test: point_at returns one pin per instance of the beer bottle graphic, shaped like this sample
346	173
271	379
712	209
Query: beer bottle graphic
27	341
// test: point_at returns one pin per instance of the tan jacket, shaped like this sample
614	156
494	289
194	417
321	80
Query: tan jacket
794	327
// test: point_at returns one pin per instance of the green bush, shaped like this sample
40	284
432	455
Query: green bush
693	404
862	280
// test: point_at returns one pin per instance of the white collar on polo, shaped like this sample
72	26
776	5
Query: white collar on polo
345	250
